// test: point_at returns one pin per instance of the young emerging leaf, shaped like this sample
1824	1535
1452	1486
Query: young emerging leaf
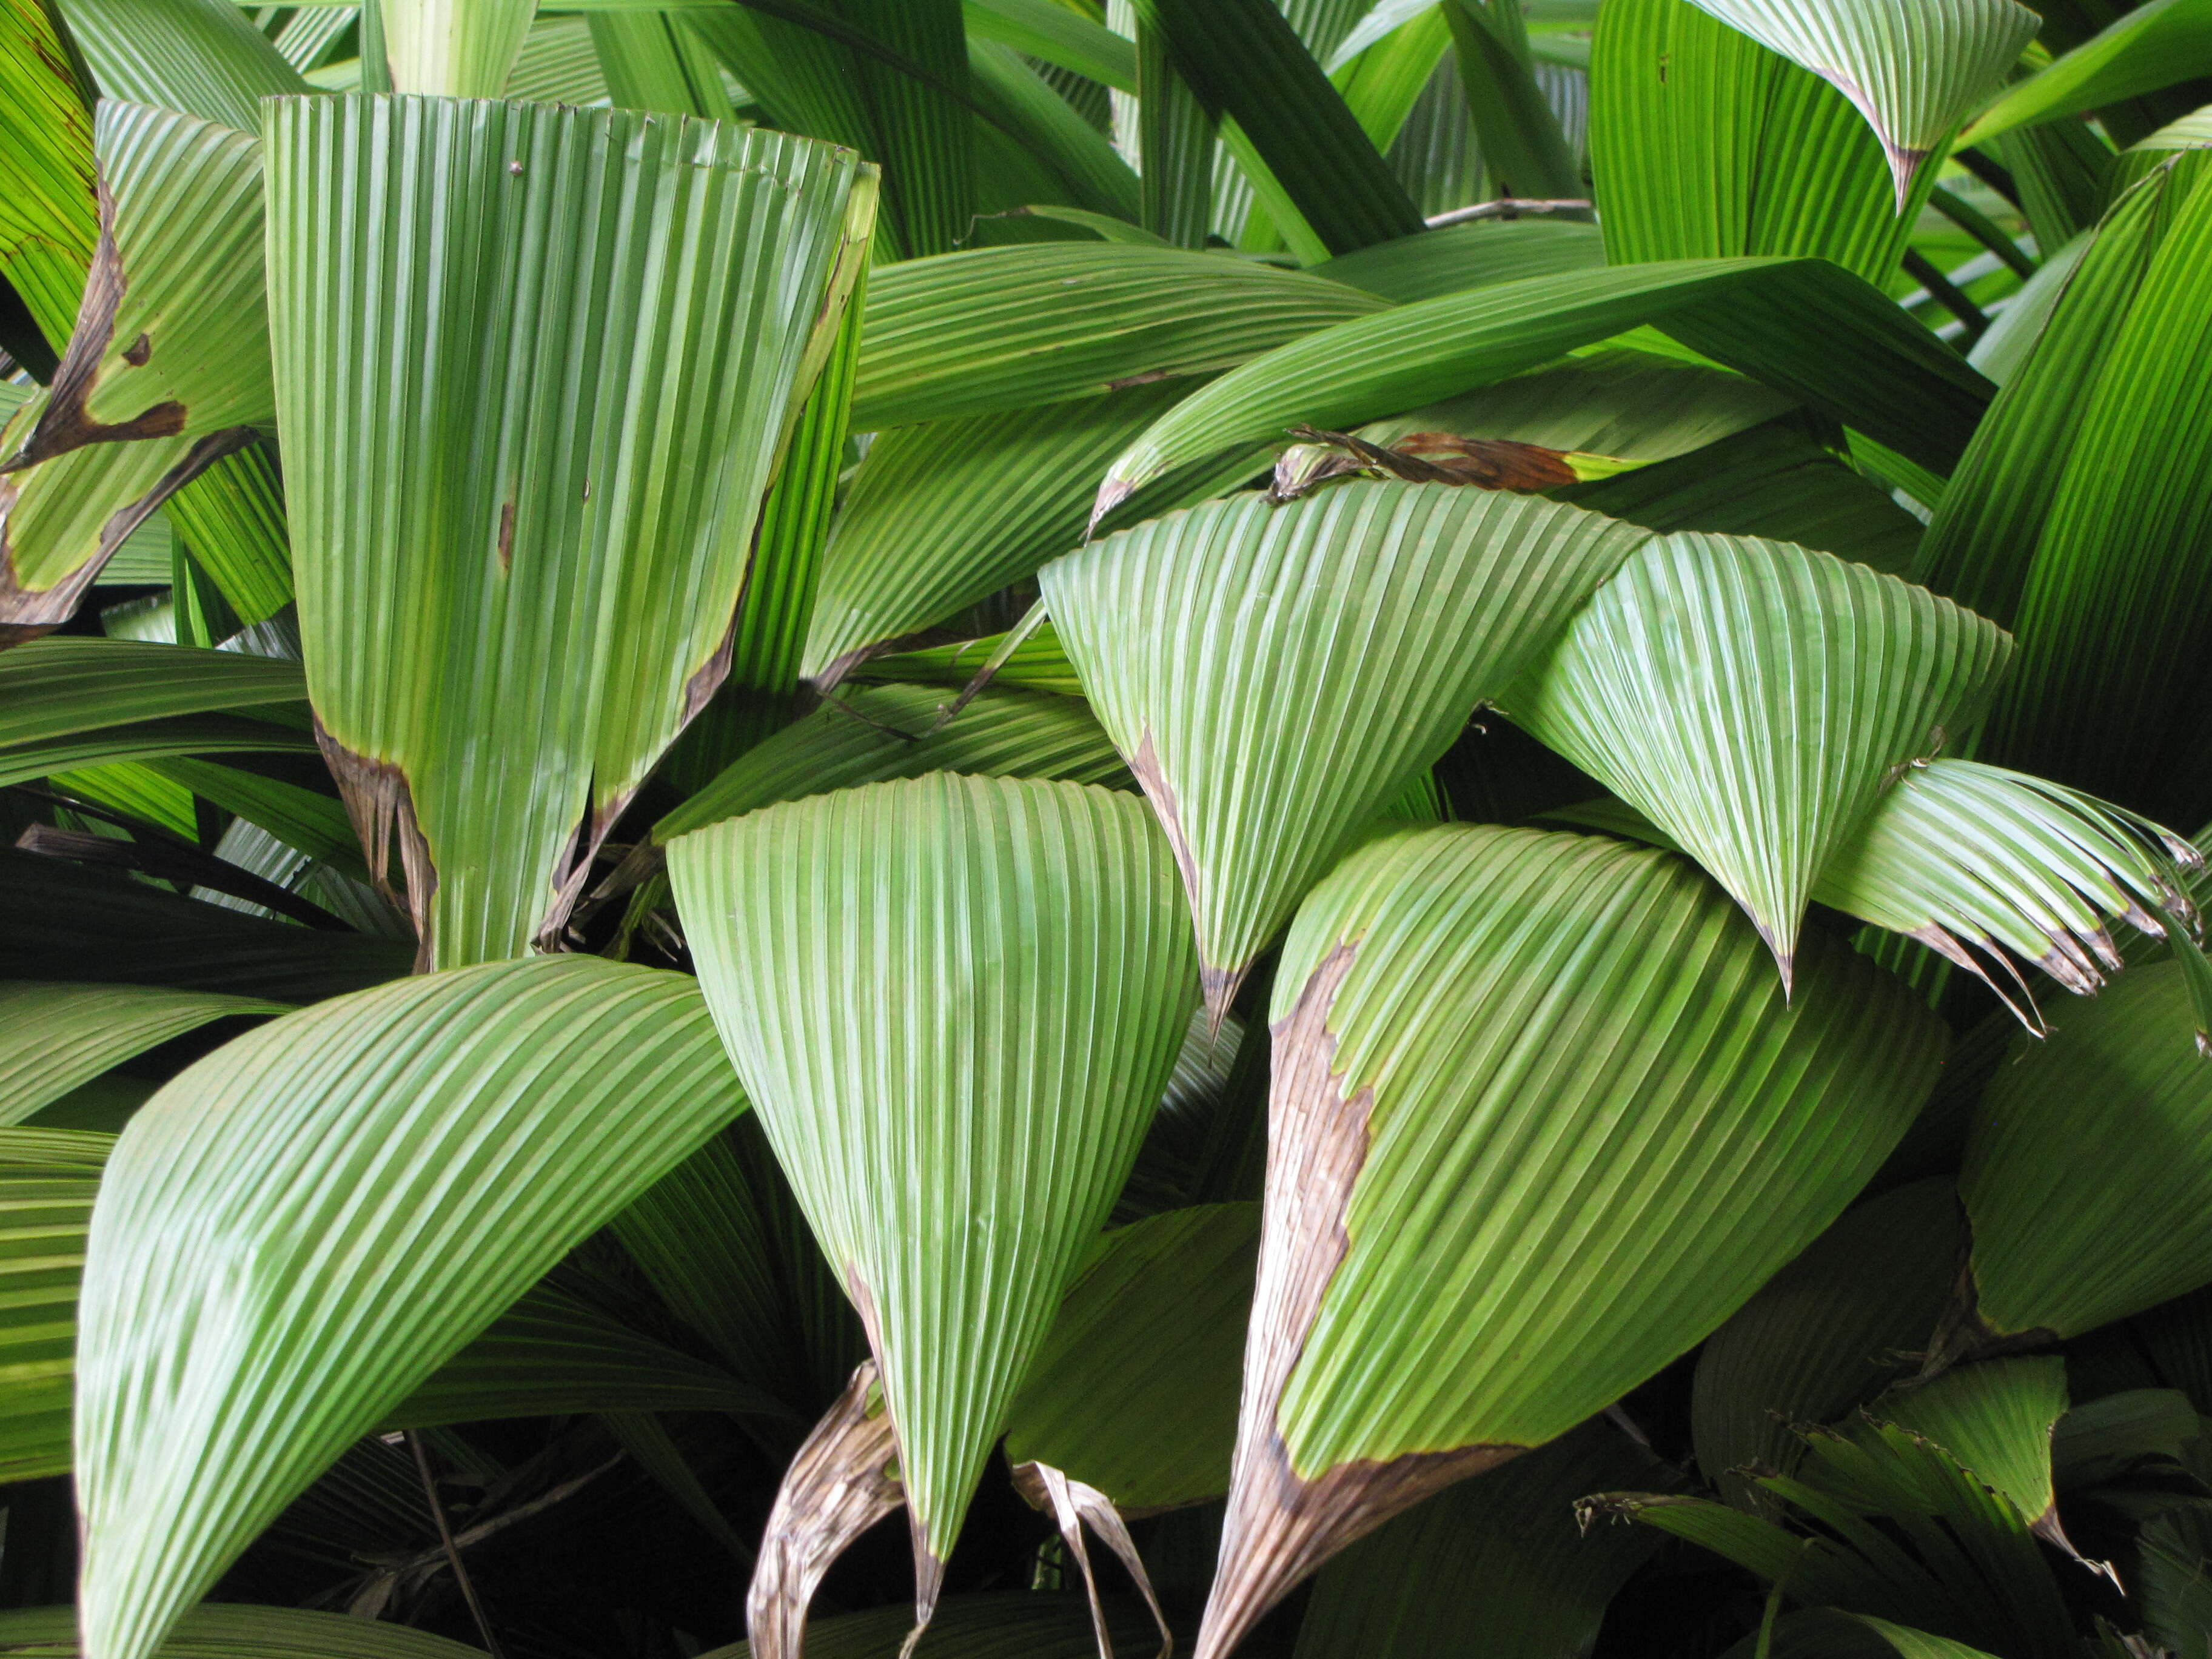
954	1002
535	364
301	1227
1541	1119
1755	700
1276	675
1913	68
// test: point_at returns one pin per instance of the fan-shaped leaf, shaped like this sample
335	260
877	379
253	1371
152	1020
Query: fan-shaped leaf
2086	1167
1010	327
1866	362
198	57
1755	700
1134	1392
574	587
65	1035
1276	675
1534	1106
300	1228
954	1002
1913	68
1996	1419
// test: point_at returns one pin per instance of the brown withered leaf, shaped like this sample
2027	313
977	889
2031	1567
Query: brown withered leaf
1418	458
842	1482
1073	1505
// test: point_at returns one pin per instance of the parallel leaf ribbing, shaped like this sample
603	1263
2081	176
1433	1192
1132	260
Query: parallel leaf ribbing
202	57
1275	674
1755	700
63	1035
300	1228
954	1003
534	364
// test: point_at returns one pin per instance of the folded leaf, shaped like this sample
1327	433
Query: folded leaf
1996	1419
452	48
954	1003
1011	327
65	1035
1276	675
2085	1167
1535	1107
300	1228
201	58
576	584
1866	362
1913	68
2144	48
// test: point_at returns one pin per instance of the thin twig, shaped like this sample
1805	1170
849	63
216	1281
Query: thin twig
1507	207
452	1552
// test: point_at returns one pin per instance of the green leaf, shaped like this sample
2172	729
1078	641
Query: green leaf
945	513
655	61
1245	60
1524	152
1995	1418
198	57
1705	144
450	48
1826	1633
65	1035
1821	1335
1536	1105
240	1632
48	221
56	687
47	1182
111	929
1069	156
1036	664
1134	1391
1867	362
2084	1166
150	741
1176	143
2105	1438
1973	860
875	733
1009	328
558	64
2152	46
1026	977
1058	34
314	823
456	516
1912	68
997	1626
1460	257
1501	1553
2141	159
300	1228
232	518
1755	700
1276	674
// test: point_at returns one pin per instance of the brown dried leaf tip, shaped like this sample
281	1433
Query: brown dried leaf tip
1072	1505
1281	1527
1442	458
843	1480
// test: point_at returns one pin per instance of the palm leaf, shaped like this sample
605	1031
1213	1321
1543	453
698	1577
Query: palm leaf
455	1134
57	688
465	479
1004	1625
1276	675
239	1633
1010	328
1913	68
197	57
1995	1418
1026	977
2144	48
451	48
1489	1043
1755	700
70	1034
1871	367
48	223
48	1179
1456	258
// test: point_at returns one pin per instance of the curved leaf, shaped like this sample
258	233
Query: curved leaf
567	592
1005	1625
239	1631
65	1035
1996	1419
300	1228
2086	1167
875	734
1755	700
1913	68
1134	1391
48	221
1869	363
58	688
1540	1122
48	1179
1276	675
1454	258
197	57
954	1002
1011	327
2144	48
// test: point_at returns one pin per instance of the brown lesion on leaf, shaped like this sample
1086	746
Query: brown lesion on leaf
139	352
574	868
382	807
1961	1334
1442	457
843	1480
66	423
1217	984
1072	1506
26	613
928	1570
506	537
1281	1526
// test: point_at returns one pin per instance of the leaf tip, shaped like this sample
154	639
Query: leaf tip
1111	495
